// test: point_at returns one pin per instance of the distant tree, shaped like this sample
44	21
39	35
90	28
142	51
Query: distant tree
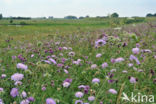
11	21
155	14
115	15
1	16
50	17
81	17
87	16
149	15
70	17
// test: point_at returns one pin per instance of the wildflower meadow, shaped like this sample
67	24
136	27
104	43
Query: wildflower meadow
87	61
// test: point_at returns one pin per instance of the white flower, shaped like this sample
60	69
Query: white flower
66	84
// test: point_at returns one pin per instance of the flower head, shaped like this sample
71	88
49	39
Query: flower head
136	50
78	102
25	102
95	80
17	77
22	66
104	65
132	80
91	98
113	91
79	94
50	101
14	92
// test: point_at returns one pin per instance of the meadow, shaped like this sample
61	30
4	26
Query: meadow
85	61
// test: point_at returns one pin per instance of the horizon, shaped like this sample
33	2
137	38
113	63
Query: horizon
62	8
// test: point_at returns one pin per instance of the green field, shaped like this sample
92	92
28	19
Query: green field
34	42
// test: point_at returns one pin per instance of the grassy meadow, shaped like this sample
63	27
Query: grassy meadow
85	61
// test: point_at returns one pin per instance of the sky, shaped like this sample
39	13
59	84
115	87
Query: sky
61	8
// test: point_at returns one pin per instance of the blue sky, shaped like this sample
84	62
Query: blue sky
61	8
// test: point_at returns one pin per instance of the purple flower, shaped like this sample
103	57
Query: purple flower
135	50
18	83
104	65
86	88
79	94
130	64
98	55
13	57
1	101
32	55
93	66
31	99
60	65
47	61
66	71
68	80
50	101
25	102
132	57
132	80
100	42
24	94
113	91
52	60
96	80
14	92
91	98
43	88
1	89
120	59
78	102
22	66
17	77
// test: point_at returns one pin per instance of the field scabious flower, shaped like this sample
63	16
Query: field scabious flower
100	42
31	99
132	80
66	84
98	55
96	80
136	50
91	98
17	77
1	101
14	92
3	76
113	91
1	90
18	83
78	102
22	66
24	94
50	101
25	102
79	94
120	59
53	61
104	65
71	53
132	57
93	66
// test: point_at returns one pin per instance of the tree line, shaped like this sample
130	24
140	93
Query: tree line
113	15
